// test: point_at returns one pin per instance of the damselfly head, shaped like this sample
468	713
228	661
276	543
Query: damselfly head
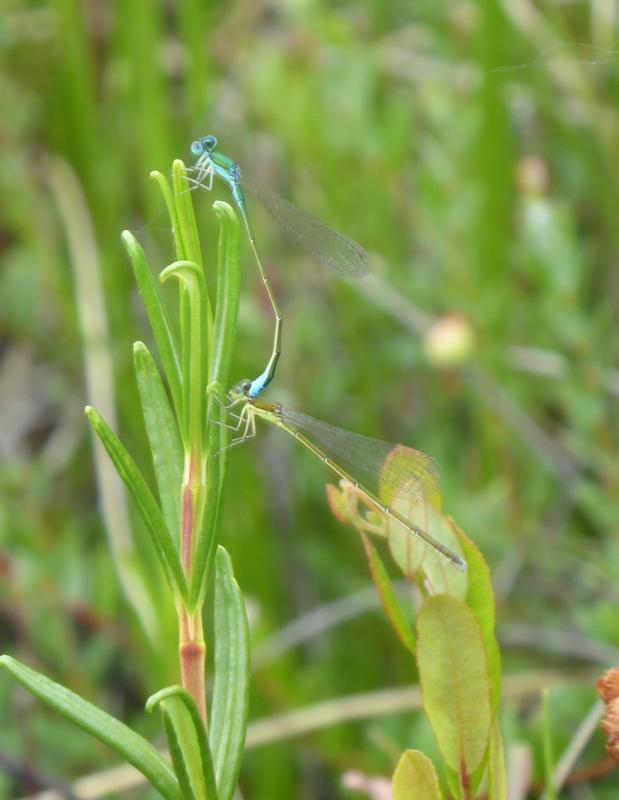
204	145
239	390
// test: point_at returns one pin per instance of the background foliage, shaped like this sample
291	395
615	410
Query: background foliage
473	149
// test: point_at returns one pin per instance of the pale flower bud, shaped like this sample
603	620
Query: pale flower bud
449	341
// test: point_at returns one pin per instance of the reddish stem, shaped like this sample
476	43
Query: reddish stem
192	652
191	648
187	528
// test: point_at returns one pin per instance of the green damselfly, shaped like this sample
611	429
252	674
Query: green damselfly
373	468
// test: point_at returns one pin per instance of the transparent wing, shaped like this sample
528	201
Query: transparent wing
387	470
332	249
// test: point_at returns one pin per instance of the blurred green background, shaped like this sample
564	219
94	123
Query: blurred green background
473	149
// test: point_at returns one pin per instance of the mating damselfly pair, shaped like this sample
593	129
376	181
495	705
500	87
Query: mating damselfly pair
373	468
328	247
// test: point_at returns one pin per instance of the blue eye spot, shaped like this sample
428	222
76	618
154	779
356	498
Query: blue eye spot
210	143
196	148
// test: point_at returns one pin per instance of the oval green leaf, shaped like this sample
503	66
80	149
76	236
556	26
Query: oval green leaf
454	681
411	554
415	778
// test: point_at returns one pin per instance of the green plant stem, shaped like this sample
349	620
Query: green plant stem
192	501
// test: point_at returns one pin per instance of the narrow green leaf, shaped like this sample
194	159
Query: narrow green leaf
129	745
230	701
477	776
168	197
210	522
188	234
454	787
228	293
217	433
176	754
391	604
146	503
158	318
480	599
217	458
415	778
188	741
194	345
454	681
188	230
228	290
179	248
163	436
497	781
181	254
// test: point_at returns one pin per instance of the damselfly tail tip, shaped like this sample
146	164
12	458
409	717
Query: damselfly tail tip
459	563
